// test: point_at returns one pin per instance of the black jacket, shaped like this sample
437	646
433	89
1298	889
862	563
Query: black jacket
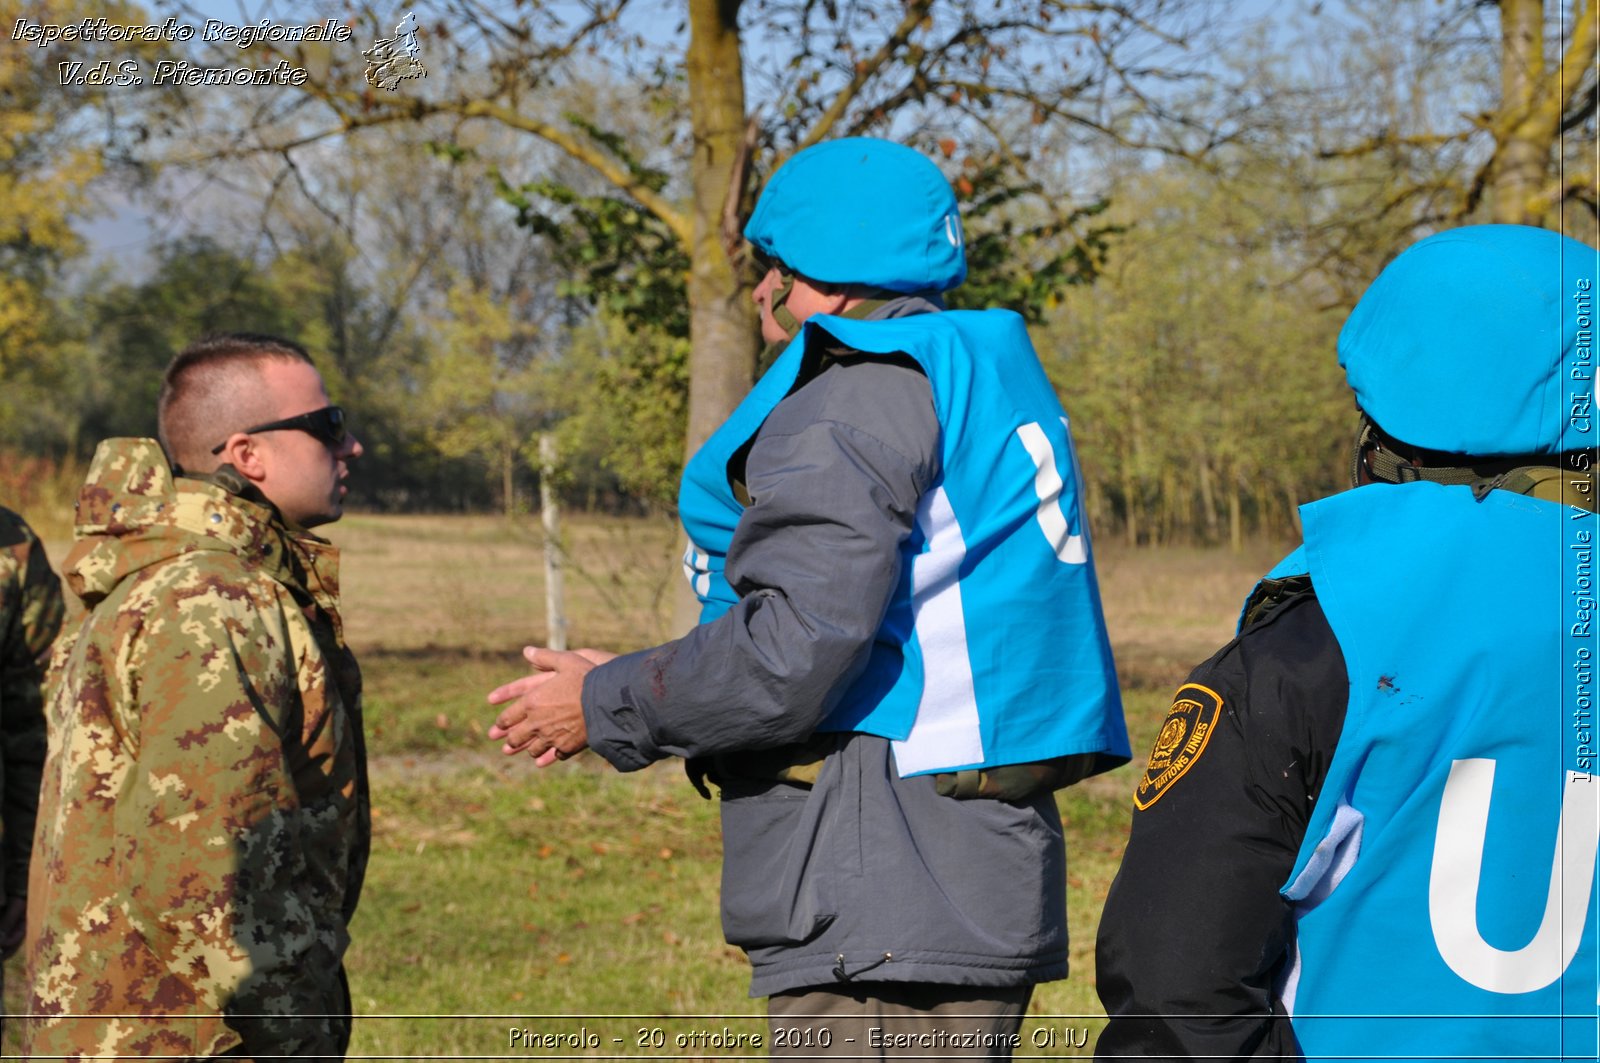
1195	935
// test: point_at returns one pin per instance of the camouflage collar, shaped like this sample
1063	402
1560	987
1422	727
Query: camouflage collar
133	513
311	563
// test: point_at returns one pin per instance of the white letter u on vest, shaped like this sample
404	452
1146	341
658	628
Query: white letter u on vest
1047	485
1458	864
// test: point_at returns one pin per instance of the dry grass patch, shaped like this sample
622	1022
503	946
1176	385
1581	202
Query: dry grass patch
1170	609
477	583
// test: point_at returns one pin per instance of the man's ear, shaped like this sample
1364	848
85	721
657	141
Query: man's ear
241	452
836	300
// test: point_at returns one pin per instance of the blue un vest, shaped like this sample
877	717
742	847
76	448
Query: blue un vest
994	647
1449	865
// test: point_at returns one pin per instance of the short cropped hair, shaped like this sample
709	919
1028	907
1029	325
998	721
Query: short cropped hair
213	389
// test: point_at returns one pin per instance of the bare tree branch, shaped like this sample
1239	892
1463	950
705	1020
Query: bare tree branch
865	70
624	180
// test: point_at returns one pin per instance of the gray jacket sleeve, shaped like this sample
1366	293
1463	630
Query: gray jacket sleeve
834	477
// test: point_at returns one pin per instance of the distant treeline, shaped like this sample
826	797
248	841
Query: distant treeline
1204	398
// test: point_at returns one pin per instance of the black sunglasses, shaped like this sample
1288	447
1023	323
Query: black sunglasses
327	424
765	262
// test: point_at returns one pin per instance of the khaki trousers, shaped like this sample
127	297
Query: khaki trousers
897	1020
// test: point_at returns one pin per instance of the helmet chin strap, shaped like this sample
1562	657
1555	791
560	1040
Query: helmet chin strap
1386	466
779	307
861	309
1538	476
1364	439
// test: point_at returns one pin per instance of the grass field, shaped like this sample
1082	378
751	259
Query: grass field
580	905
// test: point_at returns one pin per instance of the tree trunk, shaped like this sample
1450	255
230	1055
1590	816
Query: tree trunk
1528	184
1263	501
1291	497
508	479
1094	506
1130	501
1524	152
723	333
1174	521
1208	500
1235	519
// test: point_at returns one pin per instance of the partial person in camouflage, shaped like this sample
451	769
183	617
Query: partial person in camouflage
204	822
30	617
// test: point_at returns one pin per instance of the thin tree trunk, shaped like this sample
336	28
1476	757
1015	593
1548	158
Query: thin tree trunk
722	320
508	479
555	599
1094	506
1130	501
1168	508
1235	519
1208	500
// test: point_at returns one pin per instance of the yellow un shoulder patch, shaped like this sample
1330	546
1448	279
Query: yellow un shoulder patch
1183	738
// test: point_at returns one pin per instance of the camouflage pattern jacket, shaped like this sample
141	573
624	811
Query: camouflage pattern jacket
30	616
204	823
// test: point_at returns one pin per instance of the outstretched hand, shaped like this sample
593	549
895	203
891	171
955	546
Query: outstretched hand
543	712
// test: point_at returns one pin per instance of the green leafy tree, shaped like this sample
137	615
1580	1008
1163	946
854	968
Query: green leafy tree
481	387
44	183
196	287
1202	385
58	141
626	388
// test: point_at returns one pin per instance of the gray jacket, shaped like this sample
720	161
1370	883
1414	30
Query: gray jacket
863	876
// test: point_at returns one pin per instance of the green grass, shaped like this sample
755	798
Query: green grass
507	893
505	890
515	895
503	897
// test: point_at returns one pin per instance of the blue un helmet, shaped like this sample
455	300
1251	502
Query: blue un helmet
862	211
1479	341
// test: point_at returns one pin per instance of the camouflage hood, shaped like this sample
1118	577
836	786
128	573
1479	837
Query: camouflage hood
132	513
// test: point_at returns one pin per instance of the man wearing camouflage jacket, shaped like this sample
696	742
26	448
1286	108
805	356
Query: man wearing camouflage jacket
204	822
30	617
